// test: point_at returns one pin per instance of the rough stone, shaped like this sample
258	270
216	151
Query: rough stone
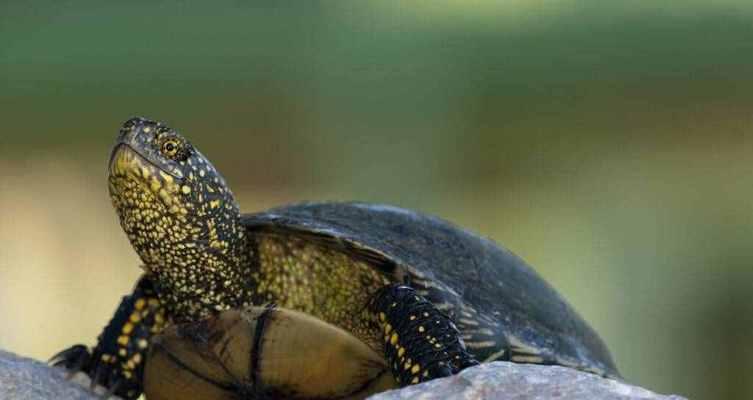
509	381
26	379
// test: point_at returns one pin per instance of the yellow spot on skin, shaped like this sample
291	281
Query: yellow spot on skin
127	328
147	129
416	368
140	303
527	359
407	364
123	340
185	189
421	329
135	318
414	380
393	339
387	329
167	177
382	317
166	198
122	352
400	351
325	271
214	203
143	344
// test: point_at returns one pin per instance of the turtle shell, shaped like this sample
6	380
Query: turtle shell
503	308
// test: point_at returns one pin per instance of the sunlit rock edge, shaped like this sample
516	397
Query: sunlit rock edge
26	379
509	381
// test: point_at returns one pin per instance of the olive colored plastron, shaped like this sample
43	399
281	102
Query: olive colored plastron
262	353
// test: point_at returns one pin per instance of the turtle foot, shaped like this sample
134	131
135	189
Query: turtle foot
420	341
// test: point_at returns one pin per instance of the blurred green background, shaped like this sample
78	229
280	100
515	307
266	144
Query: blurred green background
609	143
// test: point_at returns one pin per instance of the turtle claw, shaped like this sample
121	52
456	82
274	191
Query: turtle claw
114	389
101	379
72	359
79	359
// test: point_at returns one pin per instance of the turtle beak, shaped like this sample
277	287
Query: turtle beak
121	157
133	147
124	150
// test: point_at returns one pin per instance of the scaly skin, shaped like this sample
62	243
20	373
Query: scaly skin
185	224
182	219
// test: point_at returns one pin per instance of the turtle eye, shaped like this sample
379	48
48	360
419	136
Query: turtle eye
171	148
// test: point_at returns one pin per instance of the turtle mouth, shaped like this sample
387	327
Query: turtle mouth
136	183
124	158
127	163
121	159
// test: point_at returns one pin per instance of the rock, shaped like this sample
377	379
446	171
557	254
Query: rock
509	381
27	379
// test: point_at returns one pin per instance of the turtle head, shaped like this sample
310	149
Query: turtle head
175	207
161	161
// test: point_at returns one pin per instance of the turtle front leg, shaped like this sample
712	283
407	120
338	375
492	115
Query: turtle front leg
117	361
420	342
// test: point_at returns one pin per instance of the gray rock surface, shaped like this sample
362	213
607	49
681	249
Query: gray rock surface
27	379
508	381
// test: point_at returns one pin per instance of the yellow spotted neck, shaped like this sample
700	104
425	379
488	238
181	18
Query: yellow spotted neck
186	231
327	283
184	223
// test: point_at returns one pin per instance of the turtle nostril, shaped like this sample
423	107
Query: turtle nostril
133	122
162	128
132	128
138	126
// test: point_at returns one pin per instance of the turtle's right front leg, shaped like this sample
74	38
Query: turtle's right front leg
420	341
117	361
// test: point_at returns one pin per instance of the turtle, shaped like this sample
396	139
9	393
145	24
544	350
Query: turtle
427	298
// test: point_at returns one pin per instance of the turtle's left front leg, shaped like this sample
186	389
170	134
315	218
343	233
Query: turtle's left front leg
116	363
420	342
